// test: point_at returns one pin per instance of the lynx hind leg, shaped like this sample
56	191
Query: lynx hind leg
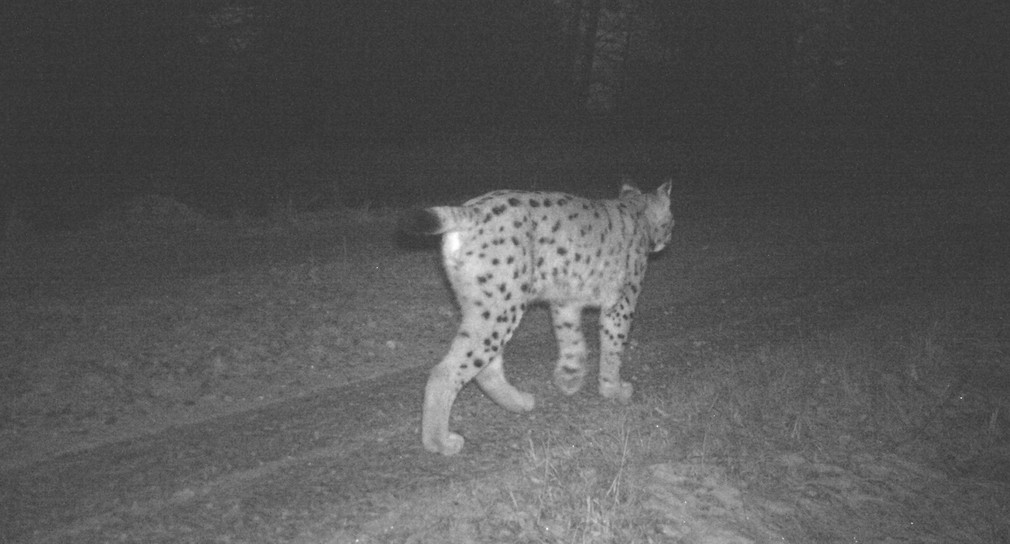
444	383
570	370
472	354
492	380
615	323
456	369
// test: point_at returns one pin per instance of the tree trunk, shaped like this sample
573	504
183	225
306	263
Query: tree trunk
592	14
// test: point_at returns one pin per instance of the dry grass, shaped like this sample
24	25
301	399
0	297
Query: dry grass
867	433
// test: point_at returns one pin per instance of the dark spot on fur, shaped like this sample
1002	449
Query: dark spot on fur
534	203
478	362
497	210
513	201
562	251
547	203
486	314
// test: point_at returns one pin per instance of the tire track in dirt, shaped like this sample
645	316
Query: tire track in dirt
111	488
337	453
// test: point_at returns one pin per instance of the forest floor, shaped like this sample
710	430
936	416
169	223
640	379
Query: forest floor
820	355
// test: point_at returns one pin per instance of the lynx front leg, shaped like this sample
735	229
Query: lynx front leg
615	322
570	371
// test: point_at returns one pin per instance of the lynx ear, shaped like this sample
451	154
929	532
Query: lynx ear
664	189
628	190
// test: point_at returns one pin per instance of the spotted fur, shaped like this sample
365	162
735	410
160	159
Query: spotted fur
506	249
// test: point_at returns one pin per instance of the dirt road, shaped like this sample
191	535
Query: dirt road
220	384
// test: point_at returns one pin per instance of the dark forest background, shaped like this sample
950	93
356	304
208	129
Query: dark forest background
100	96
